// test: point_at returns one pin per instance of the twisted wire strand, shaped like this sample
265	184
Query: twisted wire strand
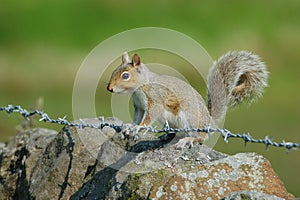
226	134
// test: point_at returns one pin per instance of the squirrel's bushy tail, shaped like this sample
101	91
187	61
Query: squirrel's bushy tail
234	78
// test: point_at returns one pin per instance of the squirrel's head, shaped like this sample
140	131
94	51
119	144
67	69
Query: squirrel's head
127	77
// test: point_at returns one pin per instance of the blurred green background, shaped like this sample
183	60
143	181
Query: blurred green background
43	43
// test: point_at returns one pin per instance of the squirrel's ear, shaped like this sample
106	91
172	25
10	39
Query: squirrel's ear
125	58
136	60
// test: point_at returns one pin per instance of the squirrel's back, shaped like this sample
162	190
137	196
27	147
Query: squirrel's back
175	100
236	77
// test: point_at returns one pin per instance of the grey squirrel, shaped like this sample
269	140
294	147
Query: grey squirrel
235	77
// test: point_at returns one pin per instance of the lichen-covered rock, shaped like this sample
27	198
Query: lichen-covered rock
212	180
101	164
247	195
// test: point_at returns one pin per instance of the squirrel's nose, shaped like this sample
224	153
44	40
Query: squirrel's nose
109	88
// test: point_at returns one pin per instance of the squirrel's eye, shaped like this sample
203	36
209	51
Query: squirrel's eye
125	75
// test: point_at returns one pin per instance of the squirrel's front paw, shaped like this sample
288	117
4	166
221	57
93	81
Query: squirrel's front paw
188	142
131	130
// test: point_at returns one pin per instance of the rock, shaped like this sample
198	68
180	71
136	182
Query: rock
101	164
18	160
244	195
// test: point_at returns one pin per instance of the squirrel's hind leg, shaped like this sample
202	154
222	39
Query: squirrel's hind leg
188	142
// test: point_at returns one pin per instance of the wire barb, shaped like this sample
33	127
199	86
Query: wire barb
226	134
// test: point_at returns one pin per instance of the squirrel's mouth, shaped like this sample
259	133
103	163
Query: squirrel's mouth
116	89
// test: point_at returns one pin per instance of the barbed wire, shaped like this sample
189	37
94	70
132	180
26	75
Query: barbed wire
226	134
